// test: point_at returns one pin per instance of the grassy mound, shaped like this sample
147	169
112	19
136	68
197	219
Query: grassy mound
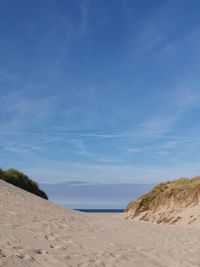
21	180
164	191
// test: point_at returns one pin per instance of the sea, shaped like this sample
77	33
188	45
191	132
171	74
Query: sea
101	210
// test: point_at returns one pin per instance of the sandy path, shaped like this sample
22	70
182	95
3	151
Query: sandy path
35	232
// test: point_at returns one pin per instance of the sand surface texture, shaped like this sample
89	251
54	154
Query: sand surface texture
35	232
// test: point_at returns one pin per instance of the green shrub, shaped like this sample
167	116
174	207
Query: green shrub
21	180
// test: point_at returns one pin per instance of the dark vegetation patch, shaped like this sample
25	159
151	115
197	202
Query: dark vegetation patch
21	180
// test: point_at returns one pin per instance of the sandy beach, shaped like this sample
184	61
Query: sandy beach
35	232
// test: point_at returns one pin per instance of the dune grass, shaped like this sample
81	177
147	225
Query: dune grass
166	189
21	180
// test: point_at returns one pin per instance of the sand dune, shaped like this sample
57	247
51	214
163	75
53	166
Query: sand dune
35	232
176	202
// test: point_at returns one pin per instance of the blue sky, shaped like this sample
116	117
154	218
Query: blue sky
105	91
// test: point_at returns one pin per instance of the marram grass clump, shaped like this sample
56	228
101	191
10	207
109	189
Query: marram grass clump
21	180
164	191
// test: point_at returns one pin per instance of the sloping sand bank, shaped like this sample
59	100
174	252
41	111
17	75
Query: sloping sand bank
35	232
176	202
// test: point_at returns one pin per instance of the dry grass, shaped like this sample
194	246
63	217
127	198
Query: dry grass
165	190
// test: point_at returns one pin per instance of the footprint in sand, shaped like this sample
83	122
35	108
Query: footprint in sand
2	255
60	248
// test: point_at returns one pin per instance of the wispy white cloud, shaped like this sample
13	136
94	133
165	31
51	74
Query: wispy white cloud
17	149
178	104
84	8
163	153
80	147
157	126
62	171
134	149
130	11
23	109
165	146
